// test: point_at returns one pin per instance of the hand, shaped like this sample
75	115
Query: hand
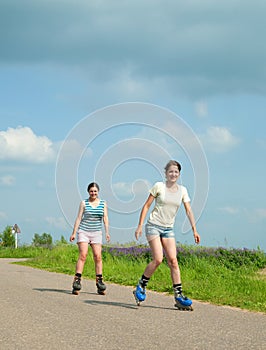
72	237
107	237
196	237
138	232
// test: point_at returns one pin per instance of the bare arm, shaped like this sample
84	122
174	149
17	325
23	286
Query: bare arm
143	214
77	222
191	218
106	223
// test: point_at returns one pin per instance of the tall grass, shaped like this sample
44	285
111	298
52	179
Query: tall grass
21	252
217	275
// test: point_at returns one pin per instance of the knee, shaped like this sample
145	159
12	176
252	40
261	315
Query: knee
82	257
157	261
173	263
97	258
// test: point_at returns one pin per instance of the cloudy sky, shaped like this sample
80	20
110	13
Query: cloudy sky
110	90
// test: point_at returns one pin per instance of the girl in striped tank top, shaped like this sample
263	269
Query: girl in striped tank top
88	225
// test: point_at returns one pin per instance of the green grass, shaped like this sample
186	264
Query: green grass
222	277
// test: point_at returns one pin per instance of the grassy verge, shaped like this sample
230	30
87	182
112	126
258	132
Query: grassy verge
219	276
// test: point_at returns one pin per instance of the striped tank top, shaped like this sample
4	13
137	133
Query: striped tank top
92	217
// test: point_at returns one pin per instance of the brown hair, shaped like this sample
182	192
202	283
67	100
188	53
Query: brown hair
172	162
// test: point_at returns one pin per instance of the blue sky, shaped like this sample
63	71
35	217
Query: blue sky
111	90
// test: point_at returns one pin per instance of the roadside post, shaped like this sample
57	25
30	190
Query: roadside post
15	231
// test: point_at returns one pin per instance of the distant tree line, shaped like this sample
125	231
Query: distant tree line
7	239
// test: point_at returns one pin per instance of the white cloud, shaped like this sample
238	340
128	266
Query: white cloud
201	108
125	189
3	215
260	213
73	149
21	144
122	189
126	84
256	215
219	139
7	180
253	216
59	223
166	143
230	210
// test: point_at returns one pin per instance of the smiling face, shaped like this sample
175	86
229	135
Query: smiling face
93	192
172	174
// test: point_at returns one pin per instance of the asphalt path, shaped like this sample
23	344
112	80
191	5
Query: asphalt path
38	311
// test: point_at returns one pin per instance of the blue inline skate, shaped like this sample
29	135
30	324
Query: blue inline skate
182	302
139	294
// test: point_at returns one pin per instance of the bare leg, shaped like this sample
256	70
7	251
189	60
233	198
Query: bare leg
97	256
157	256
83	252
169	247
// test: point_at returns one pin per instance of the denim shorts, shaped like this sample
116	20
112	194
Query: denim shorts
159	231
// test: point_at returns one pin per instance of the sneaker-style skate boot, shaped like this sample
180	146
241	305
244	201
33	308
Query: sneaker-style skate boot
182	302
139	294
101	287
76	286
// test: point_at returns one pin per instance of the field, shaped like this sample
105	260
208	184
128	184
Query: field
234	277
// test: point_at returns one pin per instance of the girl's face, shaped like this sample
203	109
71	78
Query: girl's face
172	173
93	192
